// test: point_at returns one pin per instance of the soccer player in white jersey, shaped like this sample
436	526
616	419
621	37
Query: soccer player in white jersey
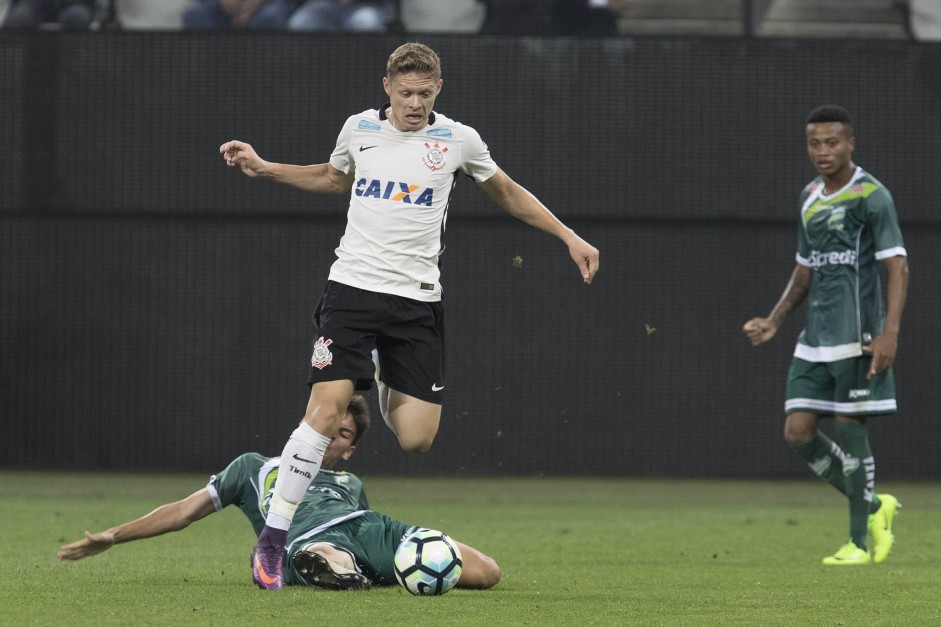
398	163
842	367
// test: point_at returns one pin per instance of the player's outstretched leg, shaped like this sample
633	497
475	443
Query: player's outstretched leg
317	570
880	525
300	462
267	558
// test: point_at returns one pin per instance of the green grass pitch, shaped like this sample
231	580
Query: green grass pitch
576	551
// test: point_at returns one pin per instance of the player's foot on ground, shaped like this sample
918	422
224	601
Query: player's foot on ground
880	526
848	555
316	570
266	564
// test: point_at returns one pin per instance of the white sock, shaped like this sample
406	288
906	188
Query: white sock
382	392
384	404
300	463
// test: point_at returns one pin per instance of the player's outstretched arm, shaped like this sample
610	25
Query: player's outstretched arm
884	348
478	571
322	178
760	330
169	517
521	204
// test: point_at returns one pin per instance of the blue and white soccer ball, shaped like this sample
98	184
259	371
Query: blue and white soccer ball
427	562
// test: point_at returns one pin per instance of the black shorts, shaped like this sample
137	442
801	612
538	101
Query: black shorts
409	334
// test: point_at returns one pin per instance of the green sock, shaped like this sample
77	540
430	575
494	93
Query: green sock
825	458
860	475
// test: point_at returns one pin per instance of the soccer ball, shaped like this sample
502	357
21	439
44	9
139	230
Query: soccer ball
427	562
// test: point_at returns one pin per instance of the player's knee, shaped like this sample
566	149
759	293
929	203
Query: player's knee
418	445
326	414
480	573
491	575
797	434
416	436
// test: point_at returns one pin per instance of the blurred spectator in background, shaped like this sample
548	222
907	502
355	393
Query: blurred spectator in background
223	14
555	17
516	17
585	17
346	15
435	16
70	14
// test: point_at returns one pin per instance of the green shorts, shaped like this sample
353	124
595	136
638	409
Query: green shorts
839	388
370	539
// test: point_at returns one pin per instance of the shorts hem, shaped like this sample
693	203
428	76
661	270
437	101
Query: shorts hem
836	411
428	397
360	383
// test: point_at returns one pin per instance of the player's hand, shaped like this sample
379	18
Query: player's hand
243	156
586	257
759	330
92	544
883	350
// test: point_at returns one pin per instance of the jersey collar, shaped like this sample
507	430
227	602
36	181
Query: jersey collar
382	114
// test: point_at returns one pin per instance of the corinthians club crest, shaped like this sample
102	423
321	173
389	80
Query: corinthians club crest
322	356
434	158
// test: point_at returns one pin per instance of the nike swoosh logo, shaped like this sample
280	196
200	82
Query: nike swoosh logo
301	459
436	388
362	148
265	577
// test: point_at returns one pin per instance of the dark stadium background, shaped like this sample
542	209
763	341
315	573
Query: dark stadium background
155	305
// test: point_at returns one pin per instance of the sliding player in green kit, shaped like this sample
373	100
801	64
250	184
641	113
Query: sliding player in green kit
336	541
842	366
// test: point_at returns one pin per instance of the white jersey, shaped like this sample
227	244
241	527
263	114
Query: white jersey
399	202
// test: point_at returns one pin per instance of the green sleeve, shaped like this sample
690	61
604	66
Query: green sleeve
230	483
884	222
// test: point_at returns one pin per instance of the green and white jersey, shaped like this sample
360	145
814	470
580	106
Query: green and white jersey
842	238
399	202
248	483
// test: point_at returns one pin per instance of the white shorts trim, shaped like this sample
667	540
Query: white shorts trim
827	354
842	409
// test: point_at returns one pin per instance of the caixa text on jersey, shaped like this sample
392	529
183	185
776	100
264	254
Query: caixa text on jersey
395	191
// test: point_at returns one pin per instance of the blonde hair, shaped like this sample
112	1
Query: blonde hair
413	57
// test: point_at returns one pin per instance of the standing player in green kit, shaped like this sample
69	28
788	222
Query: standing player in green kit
842	366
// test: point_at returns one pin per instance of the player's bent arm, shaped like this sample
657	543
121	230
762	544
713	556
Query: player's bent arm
322	178
760	330
168	517
884	348
523	205
478	571
795	293
896	292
